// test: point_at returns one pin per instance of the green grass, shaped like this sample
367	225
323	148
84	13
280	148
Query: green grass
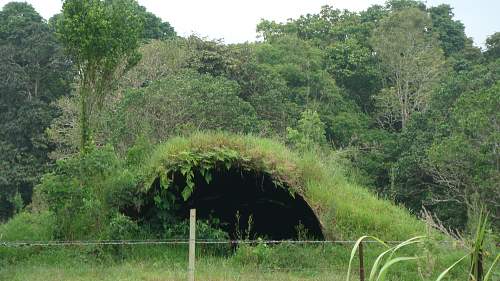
260	262
160	263
133	271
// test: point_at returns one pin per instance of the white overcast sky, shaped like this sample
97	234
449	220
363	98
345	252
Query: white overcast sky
235	20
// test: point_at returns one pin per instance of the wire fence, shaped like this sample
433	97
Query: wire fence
193	240
322	268
183	241
263	269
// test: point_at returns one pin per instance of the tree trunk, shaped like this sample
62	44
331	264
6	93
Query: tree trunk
84	119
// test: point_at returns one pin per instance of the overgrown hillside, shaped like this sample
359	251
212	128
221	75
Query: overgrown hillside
334	125
420	126
145	195
91	195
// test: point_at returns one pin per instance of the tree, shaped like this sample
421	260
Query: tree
179	103
355	68
467	162
208	57
154	28
159	58
432	149
410	54
493	46
310	132
34	74
451	32
399	5
343	36
306	85
327	27
102	38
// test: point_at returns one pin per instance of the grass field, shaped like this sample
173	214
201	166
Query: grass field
161	263
156	271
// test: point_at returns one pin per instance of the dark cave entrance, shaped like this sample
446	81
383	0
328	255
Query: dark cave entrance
236	197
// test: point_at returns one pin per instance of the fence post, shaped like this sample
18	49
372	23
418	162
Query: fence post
192	240
361	263
480	272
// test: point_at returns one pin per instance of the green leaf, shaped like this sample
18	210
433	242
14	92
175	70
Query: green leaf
387	265
442	275
375	265
186	193
490	271
208	177
392	250
355	248
157	199
185	170
165	181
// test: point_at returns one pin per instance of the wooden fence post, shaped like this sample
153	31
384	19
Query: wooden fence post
480	273
192	240
361	263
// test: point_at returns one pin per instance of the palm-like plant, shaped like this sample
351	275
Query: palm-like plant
386	259
476	253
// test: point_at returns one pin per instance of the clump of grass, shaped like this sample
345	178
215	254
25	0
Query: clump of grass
26	226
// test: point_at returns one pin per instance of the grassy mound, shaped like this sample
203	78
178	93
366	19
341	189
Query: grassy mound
88	195
345	209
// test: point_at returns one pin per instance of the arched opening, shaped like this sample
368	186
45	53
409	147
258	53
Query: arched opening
238	197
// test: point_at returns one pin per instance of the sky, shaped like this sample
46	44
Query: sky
235	21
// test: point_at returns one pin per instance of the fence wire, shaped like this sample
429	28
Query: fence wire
180	242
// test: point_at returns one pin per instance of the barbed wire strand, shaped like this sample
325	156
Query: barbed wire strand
179	242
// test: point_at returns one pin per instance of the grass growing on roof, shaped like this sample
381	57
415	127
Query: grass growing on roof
345	209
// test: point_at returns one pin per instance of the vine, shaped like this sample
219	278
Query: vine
191	161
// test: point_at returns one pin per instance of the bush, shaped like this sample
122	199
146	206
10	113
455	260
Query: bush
25	226
122	227
83	191
29	227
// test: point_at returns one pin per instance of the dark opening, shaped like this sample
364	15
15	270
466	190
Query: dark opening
234	195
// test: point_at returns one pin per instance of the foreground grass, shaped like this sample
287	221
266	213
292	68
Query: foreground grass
152	271
159	263
172	265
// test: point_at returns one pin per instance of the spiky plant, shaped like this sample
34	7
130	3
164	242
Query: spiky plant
386	259
476	253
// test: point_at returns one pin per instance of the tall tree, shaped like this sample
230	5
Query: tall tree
413	60
399	5
102	38
493	46
451	32
34	74
155	28
467	162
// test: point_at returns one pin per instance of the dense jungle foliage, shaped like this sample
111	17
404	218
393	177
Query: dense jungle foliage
398	90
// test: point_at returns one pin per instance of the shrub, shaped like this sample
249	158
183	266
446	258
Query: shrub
25	226
29	227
